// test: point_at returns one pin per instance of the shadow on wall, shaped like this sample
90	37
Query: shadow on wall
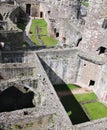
7	57
13	99
71	105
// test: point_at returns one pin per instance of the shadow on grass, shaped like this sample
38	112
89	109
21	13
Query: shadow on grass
71	105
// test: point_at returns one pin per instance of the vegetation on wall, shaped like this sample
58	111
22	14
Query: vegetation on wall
85	3
21	24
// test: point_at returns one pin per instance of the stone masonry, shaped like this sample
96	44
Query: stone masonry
79	58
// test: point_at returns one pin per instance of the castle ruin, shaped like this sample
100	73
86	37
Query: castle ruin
28	73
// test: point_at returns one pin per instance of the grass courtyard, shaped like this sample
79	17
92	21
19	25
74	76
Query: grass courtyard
38	29
80	107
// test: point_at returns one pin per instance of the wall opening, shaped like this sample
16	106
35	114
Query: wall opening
78	9
1	77
104	25
55	30
28	9
101	50
91	83
14	99
57	34
1	17
1	27
64	39
41	14
49	12
79	40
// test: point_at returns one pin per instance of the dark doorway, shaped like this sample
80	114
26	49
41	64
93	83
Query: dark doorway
13	99
101	50
57	34
91	83
28	7
41	14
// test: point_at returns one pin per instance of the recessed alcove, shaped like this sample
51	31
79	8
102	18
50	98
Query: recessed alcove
91	83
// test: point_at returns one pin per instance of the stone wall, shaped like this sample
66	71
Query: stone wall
42	121
101	88
15	70
94	35
17	15
60	66
6	9
100	124
12	39
48	112
88	72
71	66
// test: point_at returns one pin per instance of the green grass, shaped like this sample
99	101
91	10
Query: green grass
48	41
42	27
85	3
40	22
71	86
74	109
43	31
96	110
64	87
85	97
73	104
33	32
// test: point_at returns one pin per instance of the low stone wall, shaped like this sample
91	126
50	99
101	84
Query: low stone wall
9	73
100	124
26	119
